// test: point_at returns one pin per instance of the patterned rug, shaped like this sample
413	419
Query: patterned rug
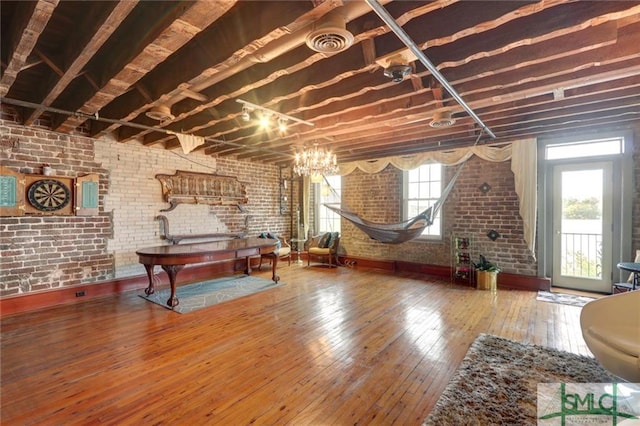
564	299
497	382
207	293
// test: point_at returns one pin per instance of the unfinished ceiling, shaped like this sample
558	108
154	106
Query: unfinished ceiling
524	68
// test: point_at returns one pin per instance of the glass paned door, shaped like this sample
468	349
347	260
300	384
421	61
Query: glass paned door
582	224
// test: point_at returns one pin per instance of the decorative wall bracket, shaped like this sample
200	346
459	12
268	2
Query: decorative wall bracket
201	188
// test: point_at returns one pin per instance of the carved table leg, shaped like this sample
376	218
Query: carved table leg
274	265
149	290
172	271
248	268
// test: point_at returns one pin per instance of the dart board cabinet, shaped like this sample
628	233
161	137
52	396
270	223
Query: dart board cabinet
27	194
49	195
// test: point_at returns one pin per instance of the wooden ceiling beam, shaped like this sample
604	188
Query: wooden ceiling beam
235	55
102	33
190	18
607	36
29	22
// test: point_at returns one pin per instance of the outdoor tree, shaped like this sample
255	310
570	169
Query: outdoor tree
587	208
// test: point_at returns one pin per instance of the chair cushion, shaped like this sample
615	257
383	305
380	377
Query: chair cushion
271	236
283	251
324	240
319	250
333	236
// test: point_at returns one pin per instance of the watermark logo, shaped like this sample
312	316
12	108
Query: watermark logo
567	404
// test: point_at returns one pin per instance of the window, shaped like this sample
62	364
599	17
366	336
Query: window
422	188
330	193
580	149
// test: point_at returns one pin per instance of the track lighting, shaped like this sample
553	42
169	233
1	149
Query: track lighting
266	115
282	125
265	120
245	114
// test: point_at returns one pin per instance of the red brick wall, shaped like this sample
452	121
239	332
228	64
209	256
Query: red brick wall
44	252
467	211
41	252
475	213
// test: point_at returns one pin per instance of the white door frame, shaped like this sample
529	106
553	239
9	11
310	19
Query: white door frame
623	196
601	284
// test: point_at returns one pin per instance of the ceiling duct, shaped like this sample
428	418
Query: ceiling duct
160	113
329	35
442	119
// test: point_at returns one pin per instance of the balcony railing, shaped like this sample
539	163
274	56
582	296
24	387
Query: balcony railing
581	255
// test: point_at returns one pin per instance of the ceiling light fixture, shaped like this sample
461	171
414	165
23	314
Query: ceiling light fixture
315	161
397	72
270	113
282	125
265	120
246	116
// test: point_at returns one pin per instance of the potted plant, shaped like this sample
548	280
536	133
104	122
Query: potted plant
486	274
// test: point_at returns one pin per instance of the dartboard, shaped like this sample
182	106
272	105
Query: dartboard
49	195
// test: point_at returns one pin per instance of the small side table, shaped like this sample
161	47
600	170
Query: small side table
634	268
299	242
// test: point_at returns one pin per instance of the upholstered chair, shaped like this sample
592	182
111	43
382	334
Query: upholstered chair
283	251
324	246
611	330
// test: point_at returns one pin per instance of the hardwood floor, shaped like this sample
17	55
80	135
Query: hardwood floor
332	347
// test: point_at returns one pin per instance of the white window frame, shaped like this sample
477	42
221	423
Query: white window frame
326	218
433	232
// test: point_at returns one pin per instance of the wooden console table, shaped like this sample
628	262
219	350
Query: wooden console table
172	258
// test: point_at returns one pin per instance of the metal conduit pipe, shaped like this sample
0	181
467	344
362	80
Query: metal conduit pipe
96	117
404	37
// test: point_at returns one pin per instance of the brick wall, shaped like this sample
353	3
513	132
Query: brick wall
43	252
467	211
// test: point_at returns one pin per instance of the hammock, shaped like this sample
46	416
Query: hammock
399	232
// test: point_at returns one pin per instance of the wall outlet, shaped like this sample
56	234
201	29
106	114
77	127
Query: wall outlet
80	293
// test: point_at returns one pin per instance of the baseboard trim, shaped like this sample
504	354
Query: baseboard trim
20	303
505	280
16	304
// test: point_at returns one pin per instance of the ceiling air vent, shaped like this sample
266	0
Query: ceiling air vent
329	35
160	113
442	119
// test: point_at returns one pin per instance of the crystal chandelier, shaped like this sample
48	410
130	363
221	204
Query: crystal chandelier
315	162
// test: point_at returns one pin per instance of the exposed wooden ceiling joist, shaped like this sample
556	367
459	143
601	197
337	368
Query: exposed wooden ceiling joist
526	68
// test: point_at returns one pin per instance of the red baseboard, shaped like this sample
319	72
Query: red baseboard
16	304
505	280
20	303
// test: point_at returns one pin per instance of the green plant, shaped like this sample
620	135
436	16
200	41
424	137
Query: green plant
485	265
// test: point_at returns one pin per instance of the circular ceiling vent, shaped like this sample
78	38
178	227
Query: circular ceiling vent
330	35
442	119
160	113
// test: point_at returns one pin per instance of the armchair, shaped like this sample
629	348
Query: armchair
283	251
611	330
324	245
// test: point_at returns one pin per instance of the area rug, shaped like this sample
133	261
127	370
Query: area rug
564	299
207	293
497	382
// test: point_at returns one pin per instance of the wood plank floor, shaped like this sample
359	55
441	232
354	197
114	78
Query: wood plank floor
332	347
